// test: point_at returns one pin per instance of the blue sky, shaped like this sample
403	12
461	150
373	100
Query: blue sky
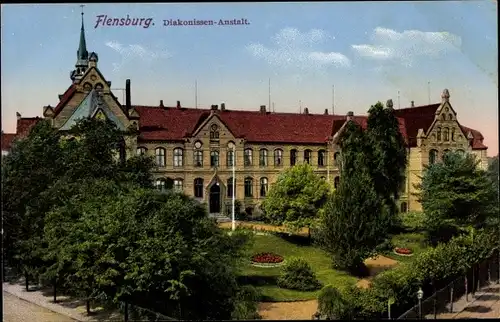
369	51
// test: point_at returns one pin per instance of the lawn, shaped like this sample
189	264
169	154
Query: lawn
291	246
412	240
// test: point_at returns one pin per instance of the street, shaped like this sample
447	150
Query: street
17	310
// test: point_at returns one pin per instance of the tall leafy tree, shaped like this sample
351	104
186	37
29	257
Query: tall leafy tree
389	154
296	198
493	172
350	226
457	193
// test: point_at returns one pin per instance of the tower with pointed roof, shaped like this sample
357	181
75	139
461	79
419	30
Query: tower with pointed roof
82	56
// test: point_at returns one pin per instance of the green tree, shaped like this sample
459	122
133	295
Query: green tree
456	193
493	173
388	157
296	198
351	226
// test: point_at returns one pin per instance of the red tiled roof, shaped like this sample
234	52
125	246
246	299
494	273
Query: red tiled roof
477	142
7	139
64	99
176	123
415	118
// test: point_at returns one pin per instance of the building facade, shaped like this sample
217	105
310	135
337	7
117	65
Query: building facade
195	149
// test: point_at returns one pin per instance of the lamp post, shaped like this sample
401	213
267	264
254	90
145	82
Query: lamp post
420	295
233	222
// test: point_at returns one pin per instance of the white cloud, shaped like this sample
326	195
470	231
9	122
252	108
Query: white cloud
130	52
293	48
387	44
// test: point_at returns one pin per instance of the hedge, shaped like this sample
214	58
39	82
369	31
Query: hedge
438	265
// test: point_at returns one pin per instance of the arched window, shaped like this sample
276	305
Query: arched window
445	152
263	187
443	117
214	158
307	156
248	157
178	184
263	157
198	158
141	151
293	157
214	132
450	117
160	157
248	187
230	157
278	158
198	188
432	156
230	188
404	207
321	158
439	134
336	182
446	134
178	157
336	159
453	134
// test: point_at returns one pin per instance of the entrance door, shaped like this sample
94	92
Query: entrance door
214	201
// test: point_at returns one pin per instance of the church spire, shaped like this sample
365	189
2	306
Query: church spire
82	53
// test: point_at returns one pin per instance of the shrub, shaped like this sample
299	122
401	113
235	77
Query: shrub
331	303
297	274
246	305
413	220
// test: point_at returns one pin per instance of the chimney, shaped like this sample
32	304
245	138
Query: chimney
263	109
215	107
178	104
326	111
18	115
128	103
222	106
306	110
161	104
350	115
412	103
389	104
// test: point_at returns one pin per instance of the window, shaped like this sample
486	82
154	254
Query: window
336	182
450	117
263	157
445	152
439	134
141	151
248	157
198	158
214	158
293	157
161	184
278	158
178	186
432	156
453	134
307	156
248	187
404	207
403	187
198	188
443	117
446	134
230	187
178	157
336	159
321	158
230	158
160	157
263	187
214	132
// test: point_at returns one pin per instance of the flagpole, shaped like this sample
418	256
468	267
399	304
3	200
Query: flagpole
234	189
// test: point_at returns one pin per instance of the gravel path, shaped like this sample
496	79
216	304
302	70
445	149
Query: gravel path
18	310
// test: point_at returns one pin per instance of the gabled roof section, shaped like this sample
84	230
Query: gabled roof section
64	99
477	141
87	108
415	118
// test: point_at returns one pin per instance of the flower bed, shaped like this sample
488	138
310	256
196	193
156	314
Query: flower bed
267	260
402	251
